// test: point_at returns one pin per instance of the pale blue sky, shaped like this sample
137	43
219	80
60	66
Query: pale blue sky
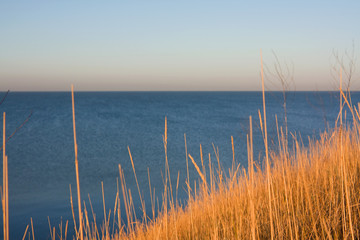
170	45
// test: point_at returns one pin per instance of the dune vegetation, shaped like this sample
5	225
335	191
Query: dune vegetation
296	192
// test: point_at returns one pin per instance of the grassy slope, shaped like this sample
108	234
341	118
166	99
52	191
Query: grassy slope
315	193
308	193
299	193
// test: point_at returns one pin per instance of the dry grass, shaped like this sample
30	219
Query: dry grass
299	193
314	194
5	186
296	193
80	232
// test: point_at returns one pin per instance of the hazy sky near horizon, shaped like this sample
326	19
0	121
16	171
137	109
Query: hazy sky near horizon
172	45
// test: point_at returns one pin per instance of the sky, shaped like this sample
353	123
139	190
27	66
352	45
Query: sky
174	45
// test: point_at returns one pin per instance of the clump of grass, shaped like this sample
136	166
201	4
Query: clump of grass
314	195
296	192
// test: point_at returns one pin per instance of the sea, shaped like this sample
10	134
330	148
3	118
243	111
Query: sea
41	151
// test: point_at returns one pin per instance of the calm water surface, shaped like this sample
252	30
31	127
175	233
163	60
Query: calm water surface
41	154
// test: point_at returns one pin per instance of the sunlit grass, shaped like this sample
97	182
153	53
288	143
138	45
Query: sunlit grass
294	192
314	194
300	192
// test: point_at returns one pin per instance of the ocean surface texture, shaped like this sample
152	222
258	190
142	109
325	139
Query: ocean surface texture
41	153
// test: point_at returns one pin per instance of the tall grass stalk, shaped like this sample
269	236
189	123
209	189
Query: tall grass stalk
26	229
32	229
77	166
266	150
5	193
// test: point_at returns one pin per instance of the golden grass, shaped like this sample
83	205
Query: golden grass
299	193
77	167
5	186
295	192
315	194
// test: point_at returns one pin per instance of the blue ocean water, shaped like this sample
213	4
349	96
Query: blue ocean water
41	154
